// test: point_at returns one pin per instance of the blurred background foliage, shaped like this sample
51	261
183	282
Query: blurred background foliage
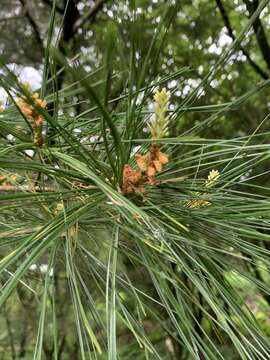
99	36
196	38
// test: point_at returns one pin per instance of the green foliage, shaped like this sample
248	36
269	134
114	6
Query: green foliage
177	270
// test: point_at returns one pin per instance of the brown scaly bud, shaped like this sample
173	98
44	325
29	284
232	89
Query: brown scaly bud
148	164
132	180
156	162
153	161
142	161
8	179
157	157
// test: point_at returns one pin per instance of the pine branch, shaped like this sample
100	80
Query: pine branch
26	188
33	24
57	8
229	28
259	31
90	15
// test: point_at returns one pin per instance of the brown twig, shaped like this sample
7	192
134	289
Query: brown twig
259	31
57	8
33	24
229	28
10	333
90	15
27	188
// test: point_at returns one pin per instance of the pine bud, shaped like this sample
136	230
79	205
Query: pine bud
159	127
